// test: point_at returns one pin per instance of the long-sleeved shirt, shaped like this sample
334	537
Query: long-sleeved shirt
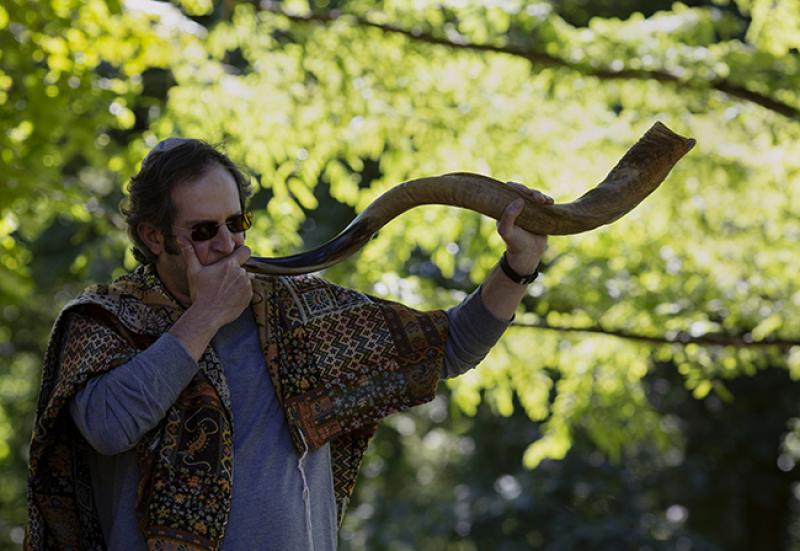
269	509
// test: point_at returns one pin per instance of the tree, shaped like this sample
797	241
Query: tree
330	104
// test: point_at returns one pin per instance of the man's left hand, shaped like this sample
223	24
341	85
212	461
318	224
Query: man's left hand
523	248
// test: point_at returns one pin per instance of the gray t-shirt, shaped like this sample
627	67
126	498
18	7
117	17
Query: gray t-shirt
280	500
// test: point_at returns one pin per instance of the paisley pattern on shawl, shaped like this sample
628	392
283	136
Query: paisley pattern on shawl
338	359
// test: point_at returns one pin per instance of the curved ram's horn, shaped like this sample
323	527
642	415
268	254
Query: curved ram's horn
638	174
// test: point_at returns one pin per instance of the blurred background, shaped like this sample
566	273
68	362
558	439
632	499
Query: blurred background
646	396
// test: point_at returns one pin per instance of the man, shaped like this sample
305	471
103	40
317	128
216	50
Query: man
189	405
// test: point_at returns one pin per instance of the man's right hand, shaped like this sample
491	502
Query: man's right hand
221	290
219	293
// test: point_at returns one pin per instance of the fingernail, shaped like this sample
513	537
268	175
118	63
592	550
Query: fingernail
517	204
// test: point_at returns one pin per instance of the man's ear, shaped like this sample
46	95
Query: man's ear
152	237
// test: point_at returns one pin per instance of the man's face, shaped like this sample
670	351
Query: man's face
213	197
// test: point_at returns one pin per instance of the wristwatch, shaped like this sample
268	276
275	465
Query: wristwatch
514	276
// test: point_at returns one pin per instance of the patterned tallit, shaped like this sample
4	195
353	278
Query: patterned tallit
339	361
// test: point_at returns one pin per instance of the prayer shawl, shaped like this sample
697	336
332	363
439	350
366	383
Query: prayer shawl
339	361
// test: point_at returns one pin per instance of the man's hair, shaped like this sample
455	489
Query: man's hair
172	162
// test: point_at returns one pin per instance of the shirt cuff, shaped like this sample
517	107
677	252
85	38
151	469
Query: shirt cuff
472	331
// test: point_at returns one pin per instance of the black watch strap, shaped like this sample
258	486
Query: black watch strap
514	276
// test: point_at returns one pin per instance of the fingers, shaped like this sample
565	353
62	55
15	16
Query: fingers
188	254
506	223
238	257
534	194
242	254
513	209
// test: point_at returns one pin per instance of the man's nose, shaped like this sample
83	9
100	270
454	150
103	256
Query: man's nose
225	241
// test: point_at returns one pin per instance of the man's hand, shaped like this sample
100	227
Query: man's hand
222	290
219	293
523	248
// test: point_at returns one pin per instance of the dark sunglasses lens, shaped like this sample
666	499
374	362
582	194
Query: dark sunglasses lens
207	230
240	223
204	231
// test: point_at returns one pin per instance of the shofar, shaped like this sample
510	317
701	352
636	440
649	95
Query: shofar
636	176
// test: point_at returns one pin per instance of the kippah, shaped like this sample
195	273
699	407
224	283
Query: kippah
165	145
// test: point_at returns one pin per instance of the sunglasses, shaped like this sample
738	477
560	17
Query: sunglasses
236	224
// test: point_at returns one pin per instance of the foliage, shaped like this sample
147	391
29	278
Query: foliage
774	26
328	109
458	481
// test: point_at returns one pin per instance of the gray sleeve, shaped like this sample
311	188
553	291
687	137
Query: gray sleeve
115	409
472	331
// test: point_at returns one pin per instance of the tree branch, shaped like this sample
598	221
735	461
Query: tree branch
540	58
682	338
722	85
